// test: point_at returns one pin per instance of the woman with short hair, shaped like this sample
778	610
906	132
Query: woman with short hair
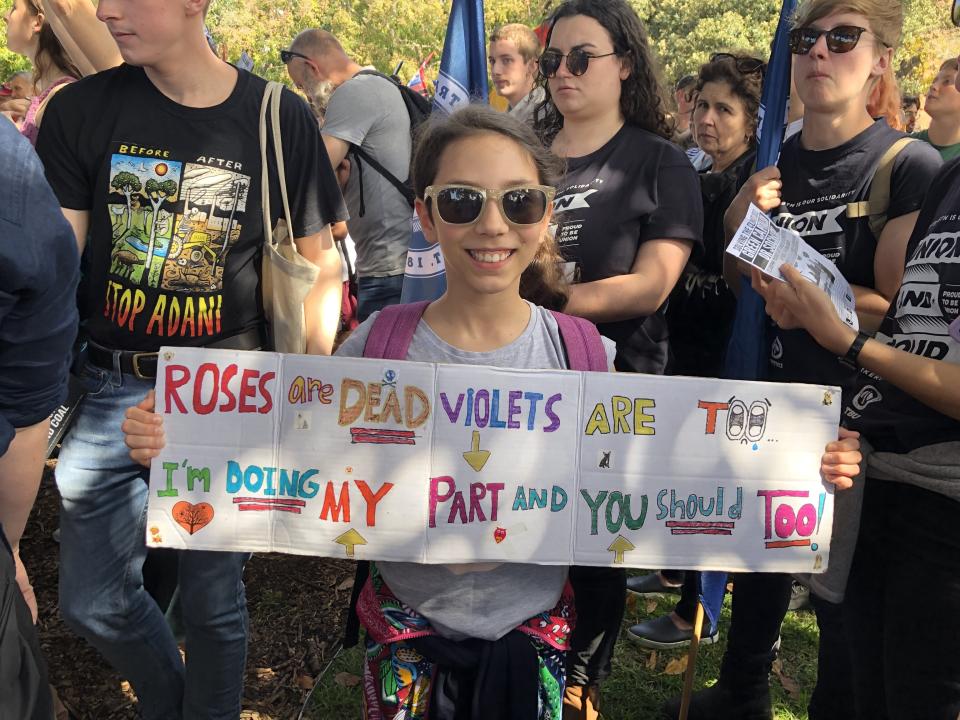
821	188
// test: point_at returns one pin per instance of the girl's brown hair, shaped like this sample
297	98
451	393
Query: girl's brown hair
543	281
50	53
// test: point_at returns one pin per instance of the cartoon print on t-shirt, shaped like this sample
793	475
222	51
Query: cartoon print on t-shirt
176	219
213	202
173	224
140	187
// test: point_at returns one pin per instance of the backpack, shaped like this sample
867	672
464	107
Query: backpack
390	338
418	109
876	205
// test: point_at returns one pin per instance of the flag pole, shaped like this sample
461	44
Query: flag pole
691	663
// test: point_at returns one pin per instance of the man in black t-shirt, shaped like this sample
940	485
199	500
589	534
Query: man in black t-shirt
156	165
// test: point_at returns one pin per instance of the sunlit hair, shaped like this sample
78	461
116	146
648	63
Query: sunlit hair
949	64
885	17
523	38
884	101
746	86
50	53
542	282
641	98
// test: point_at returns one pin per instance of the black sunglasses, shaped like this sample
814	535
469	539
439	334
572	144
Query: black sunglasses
577	61
288	55
463	204
744	65
841	39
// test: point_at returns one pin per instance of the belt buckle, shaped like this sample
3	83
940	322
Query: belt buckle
135	361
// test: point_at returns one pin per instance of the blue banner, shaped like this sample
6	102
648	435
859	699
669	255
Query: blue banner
424	277
463	66
746	353
462	79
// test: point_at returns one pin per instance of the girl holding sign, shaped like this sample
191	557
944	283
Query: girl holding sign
823	187
490	640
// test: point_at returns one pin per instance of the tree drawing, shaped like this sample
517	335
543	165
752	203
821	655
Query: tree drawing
128	184
192	517
238	188
157	192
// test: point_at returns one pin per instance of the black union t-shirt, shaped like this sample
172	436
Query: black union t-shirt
926	306
637	187
817	186
173	192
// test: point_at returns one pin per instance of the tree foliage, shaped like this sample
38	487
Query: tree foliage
685	33
385	32
374	32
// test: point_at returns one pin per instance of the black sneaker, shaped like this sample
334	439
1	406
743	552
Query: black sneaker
661	634
650	584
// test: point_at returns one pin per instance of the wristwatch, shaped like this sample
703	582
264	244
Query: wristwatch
850	359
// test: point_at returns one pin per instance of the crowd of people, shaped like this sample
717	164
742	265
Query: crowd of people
597	195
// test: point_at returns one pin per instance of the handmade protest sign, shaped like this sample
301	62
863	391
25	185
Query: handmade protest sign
390	460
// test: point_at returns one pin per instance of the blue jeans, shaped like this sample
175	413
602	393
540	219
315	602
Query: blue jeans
102	550
375	293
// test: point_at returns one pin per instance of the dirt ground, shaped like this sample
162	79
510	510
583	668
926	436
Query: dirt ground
296	607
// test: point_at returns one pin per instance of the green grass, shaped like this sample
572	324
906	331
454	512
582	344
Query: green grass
634	691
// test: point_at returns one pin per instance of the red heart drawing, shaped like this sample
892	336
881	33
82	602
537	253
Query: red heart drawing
192	517
499	535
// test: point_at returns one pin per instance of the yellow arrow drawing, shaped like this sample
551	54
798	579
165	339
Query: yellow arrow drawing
475	457
618	547
350	538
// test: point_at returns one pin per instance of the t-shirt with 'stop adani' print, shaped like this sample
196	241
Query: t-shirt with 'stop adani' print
173	192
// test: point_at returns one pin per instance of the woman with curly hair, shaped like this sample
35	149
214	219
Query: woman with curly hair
628	213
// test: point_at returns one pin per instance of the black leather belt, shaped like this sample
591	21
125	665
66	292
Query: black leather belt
143	365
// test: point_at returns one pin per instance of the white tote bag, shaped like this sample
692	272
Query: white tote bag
287	276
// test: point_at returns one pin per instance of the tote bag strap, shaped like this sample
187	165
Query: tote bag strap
271	102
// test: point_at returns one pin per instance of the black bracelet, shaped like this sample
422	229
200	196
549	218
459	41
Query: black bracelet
850	359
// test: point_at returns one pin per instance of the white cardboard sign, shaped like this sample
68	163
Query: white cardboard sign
391	460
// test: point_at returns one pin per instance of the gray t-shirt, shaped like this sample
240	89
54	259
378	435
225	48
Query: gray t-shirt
487	600
523	110
369	112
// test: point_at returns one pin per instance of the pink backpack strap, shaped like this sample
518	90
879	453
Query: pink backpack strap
582	341
392	331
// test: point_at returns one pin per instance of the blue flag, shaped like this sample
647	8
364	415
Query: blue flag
746	353
463	65
462	79
424	277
